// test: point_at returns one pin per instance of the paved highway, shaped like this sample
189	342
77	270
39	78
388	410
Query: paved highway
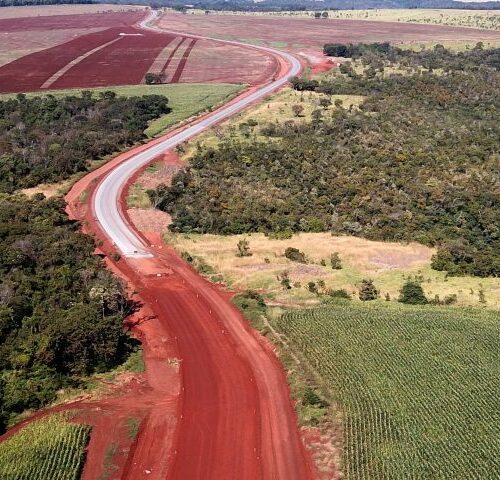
106	199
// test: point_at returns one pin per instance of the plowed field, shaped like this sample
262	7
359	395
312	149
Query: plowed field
298	33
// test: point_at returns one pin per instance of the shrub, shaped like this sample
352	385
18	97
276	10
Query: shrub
412	293
243	248
340	293
313	288
285	234
335	261
284	280
295	255
367	291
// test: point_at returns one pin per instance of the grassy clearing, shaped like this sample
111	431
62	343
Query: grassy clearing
418	387
275	108
48	449
386	263
186	100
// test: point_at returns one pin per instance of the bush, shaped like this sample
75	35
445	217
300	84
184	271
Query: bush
295	255
367	291
341	293
412	293
335	261
284	280
243	248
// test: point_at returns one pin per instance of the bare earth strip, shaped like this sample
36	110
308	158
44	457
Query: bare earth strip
74	62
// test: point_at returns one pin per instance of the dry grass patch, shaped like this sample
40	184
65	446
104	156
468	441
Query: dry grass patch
386	263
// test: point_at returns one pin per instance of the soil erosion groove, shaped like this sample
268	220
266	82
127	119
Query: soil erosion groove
235	416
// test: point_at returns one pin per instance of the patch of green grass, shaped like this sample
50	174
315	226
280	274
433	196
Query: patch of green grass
46	449
137	197
133	425
418	387
134	363
108	466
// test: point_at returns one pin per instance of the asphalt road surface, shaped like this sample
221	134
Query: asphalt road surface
106	199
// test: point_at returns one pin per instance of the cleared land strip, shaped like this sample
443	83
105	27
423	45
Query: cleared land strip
74	62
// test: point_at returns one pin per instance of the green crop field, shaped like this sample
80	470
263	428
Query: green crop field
48	449
418	387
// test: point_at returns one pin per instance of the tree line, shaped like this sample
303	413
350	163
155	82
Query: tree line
61	310
47	139
417	161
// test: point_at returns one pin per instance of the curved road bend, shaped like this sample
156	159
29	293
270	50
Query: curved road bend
236	420
106	206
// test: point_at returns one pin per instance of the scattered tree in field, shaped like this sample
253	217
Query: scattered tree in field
325	102
367	291
295	255
412	293
335	261
312	287
297	109
317	115
482	296
243	248
284	280
154	78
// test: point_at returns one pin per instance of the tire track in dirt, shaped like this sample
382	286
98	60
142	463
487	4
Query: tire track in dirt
177	75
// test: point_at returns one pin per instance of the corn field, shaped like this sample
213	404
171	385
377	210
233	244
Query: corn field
418	387
48	449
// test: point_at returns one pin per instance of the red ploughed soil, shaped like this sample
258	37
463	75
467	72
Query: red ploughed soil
298	33
215	62
91	20
125	62
30	72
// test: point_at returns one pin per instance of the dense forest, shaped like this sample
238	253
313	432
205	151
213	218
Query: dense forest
61	311
47	139
417	161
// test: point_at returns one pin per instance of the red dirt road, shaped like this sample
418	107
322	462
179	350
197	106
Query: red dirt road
215	403
237	420
235	417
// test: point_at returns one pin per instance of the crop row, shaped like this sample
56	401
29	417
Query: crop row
418	387
48	449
